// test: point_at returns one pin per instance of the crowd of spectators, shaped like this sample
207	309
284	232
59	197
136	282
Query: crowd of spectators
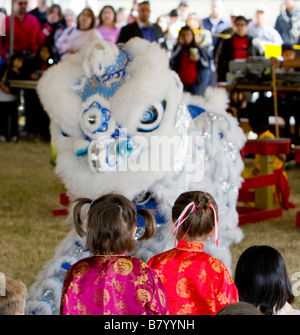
216	39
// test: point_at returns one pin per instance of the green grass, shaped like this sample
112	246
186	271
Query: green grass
29	193
29	232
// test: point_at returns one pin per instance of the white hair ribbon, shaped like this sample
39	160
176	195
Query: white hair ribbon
182	218
216	224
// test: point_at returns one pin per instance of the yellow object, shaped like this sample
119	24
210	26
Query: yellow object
277	163
53	154
272	50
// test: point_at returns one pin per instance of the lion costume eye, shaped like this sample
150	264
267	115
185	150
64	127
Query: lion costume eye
153	117
95	119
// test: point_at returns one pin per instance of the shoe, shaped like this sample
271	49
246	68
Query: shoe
14	139
3	139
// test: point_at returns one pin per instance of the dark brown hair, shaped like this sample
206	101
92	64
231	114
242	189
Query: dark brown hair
239	308
101	12
199	223
110	221
92	15
51	9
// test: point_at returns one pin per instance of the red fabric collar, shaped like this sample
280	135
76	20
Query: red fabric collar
190	246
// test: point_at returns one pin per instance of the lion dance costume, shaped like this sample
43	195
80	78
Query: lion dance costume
120	122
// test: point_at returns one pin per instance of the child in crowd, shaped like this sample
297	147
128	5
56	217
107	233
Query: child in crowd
10	99
196	283
262	280
108	24
287	52
111	282
14	298
191	63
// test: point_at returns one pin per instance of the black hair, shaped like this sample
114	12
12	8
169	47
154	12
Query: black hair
92	14
258	120
193	44
100	14
241	18
262	280
16	55
287	46
143	3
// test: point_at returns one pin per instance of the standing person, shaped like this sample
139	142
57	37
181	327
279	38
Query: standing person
203	38
14	300
69	18
10	99
196	283
215	22
108	24
173	29
261	29
40	12
288	22
163	22
3	14
262	280
111	282
27	31
143	28
191	63
53	28
239	46
74	38
122	17
182	9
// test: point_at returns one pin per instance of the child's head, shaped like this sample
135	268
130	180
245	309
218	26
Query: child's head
186	36
45	52
111	224
239	308
13	302
288	51
262	280
17	60
202	222
259	120
54	14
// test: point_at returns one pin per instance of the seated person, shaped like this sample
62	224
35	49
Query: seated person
239	46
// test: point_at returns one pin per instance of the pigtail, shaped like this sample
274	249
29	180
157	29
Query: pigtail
150	224
78	223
